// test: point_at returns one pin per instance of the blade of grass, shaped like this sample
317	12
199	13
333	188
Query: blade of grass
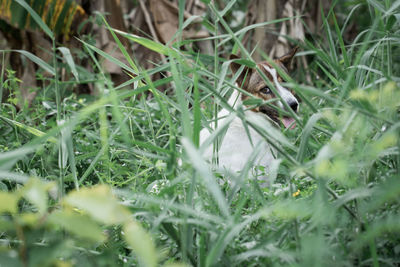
226	237
341	42
121	47
71	157
172	128
350	77
253	26
108	57
70	61
332	46
305	135
34	59
180	93
196	111
2	78
31	130
154	46
210	181
114	100
36	18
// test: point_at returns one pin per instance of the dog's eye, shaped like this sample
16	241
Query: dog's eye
265	90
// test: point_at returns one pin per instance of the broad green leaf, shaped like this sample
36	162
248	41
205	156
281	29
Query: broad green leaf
8	202
29	219
52	16
6	225
37	60
8	159
99	203
379	228
357	193
384	194
140	242
35	191
77	224
70	61
288	210
8	258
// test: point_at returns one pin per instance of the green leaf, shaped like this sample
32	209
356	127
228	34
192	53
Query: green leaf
8	159
70	61
35	191
245	62
150	44
37	60
252	102
390	22
31	130
196	111
77	224
99	203
8	202
36	17
121	47
306	135
8	257
180	95
288	210
140	242
210	181
108	57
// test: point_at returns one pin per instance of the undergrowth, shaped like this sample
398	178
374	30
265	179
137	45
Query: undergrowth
87	180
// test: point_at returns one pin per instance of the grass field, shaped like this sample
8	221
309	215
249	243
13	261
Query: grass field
95	180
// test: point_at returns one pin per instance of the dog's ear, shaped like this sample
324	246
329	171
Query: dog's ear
236	66
286	59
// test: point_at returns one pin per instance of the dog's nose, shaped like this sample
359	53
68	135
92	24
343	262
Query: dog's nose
293	105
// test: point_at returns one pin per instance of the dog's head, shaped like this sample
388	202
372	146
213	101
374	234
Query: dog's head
251	81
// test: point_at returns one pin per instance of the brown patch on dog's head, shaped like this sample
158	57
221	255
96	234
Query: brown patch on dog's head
243	77
251	81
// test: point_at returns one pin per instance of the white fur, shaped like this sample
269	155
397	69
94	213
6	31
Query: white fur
286	95
236	148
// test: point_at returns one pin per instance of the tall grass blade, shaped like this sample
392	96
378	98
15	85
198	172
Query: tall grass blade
70	61
37	18
204	172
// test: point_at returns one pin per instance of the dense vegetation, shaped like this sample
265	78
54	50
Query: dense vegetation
94	180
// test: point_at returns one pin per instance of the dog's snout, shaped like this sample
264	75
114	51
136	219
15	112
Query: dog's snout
294	105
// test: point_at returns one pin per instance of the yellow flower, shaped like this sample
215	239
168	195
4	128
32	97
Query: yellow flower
295	194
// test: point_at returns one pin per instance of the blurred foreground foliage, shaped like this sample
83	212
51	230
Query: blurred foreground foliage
78	228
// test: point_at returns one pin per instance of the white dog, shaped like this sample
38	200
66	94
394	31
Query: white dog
236	148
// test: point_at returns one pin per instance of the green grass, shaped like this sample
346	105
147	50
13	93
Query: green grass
333	195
